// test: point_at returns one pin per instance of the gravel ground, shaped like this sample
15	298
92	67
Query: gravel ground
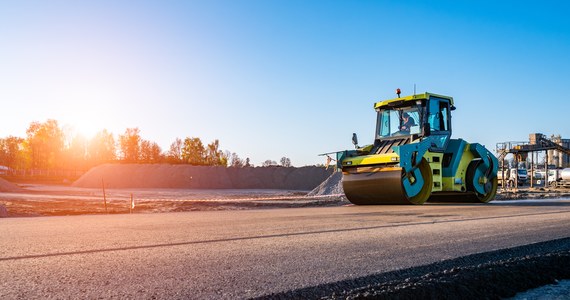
492	275
56	200
53	200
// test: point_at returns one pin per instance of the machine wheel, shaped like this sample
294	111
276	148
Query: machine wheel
425	192
491	183
553	184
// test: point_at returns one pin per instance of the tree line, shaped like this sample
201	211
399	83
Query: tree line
47	147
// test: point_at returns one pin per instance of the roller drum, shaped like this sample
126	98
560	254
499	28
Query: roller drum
385	186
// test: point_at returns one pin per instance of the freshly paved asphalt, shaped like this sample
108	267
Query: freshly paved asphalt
241	254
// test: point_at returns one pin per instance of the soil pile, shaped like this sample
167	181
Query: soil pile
3	211
6	186
202	177
331	186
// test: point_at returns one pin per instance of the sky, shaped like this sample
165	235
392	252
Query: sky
272	79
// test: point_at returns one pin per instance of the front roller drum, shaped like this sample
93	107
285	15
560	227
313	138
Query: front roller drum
385	186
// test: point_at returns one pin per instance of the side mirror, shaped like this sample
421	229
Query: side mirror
355	140
426	129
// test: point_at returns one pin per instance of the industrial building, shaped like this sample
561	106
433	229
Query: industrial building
557	148
556	157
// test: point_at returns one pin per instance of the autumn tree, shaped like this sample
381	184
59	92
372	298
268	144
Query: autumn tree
130	144
45	143
102	147
150	151
76	154
12	152
215	156
193	151
224	159
47	146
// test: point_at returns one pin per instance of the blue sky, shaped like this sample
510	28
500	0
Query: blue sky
282	78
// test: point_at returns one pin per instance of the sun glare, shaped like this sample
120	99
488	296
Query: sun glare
86	126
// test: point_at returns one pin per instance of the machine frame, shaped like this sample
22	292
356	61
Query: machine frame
403	167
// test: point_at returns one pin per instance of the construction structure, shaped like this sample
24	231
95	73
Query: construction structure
556	149
558	158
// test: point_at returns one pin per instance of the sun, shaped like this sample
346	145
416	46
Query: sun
87	129
86	125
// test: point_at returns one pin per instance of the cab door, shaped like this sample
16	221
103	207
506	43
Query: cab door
439	120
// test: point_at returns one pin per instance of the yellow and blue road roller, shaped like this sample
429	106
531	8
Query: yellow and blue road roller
414	159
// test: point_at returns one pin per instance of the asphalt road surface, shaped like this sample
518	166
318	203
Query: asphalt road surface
242	254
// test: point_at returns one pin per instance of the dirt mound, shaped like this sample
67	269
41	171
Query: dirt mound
202	177
331	186
3	211
6	186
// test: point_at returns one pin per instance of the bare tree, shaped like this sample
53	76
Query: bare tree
285	161
236	161
269	163
174	155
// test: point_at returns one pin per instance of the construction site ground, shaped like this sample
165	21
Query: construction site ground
51	200
57	200
497	273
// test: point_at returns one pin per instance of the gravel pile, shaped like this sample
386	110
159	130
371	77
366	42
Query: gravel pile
331	186
202	177
3	211
6	186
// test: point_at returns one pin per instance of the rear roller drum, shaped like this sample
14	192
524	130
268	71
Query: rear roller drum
478	182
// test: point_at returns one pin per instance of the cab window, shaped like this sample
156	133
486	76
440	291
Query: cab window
438	115
438	119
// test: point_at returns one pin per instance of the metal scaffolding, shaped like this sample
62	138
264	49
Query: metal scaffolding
537	142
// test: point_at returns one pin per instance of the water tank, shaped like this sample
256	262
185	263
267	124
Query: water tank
565	174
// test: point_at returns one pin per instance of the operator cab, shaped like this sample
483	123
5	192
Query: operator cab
409	119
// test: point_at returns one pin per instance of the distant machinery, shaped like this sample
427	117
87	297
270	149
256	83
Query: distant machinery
558	158
557	152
